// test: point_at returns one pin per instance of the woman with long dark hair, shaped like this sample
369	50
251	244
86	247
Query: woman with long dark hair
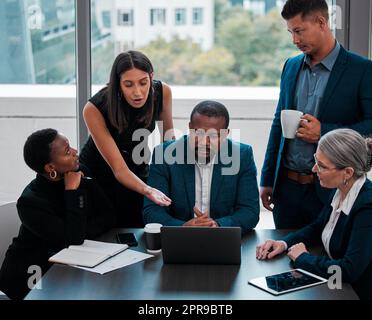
120	118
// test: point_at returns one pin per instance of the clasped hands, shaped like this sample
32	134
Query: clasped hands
309	130
271	248
201	220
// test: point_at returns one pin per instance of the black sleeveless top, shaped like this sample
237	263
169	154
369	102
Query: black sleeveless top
91	157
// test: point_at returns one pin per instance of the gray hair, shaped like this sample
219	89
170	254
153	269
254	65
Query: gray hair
347	148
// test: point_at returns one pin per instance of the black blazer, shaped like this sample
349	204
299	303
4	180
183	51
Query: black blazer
52	218
350	244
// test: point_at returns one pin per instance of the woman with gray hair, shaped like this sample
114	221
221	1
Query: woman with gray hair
342	160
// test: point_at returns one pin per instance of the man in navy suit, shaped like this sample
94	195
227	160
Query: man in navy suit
332	87
210	179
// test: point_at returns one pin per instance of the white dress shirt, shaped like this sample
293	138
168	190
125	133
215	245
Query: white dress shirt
344	207
203	181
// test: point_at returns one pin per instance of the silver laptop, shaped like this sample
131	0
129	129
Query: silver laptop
201	245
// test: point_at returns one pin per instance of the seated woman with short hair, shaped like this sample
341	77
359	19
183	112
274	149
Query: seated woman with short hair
58	208
342	160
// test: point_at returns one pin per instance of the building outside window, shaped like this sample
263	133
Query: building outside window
106	19
157	17
37	81
197	15
180	16
125	17
37	42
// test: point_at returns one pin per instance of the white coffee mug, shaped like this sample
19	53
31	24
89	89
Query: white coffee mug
290	120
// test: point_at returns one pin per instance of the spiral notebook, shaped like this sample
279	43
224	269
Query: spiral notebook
89	254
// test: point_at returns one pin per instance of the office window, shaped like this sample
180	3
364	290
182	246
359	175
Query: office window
37	81
157	17
197	16
106	19
125	17
250	44
180	16
37	42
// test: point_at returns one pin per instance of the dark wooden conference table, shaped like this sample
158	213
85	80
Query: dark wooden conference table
152	280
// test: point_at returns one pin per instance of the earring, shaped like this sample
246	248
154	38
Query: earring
53	174
345	182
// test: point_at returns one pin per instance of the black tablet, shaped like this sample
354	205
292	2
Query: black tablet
288	281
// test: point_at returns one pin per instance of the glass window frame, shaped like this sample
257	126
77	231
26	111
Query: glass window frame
180	18
129	14
158	16
355	27
197	16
